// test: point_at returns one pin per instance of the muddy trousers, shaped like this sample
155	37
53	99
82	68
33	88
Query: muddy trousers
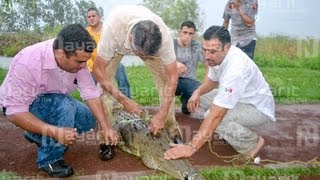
157	70
234	128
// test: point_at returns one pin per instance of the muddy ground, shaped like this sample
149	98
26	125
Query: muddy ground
294	137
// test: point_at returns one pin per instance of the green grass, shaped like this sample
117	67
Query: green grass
7	175
250	172
292	69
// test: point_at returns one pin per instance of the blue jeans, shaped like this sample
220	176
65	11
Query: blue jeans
185	88
248	49
122	80
60	110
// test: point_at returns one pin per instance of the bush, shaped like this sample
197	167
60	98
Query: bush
12	43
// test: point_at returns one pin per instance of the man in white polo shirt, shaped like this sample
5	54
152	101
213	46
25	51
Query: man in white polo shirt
242	98
135	30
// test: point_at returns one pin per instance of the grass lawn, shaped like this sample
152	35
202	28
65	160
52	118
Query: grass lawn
292	77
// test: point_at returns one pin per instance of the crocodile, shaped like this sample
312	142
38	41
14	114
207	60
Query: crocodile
137	140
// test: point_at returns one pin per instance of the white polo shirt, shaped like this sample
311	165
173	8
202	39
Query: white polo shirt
240	80
116	31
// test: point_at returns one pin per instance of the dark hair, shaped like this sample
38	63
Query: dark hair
219	32
72	38
94	9
189	24
146	37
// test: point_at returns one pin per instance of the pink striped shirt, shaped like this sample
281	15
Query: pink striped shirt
34	71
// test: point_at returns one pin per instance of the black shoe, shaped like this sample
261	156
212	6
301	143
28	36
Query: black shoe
177	140
58	169
106	152
28	137
185	110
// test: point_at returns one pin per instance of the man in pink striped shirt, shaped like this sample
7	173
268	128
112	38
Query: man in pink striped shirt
35	96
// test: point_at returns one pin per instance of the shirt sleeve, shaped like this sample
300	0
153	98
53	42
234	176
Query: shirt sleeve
252	9
212	74
22	91
226	14
107	44
86	86
166	51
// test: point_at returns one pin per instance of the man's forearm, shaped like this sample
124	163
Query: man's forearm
208	126
206	87
96	108
168	98
115	92
106	82
245	18
29	122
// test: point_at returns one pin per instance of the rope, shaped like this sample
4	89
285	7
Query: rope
240	159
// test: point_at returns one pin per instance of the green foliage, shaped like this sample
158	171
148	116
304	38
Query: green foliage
174	12
292	80
142	85
251	172
12	43
7	175
289	48
34	15
3	73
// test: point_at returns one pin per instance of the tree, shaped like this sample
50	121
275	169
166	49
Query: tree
42	15
174	12
29	13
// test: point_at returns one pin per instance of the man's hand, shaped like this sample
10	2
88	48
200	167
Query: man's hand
177	151
193	102
182	69
131	106
65	136
237	5
157	123
111	137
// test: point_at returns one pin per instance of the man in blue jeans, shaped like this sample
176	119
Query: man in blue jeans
35	96
188	53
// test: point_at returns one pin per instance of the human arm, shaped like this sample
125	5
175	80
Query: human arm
204	88
29	122
96	107
21	90
182	69
225	23
99	68
158	120
208	126
249	21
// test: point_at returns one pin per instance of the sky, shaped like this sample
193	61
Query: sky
297	18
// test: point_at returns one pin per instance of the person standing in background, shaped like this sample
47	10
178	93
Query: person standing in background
94	29
243	30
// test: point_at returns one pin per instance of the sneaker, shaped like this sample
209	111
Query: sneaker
106	152
58	169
